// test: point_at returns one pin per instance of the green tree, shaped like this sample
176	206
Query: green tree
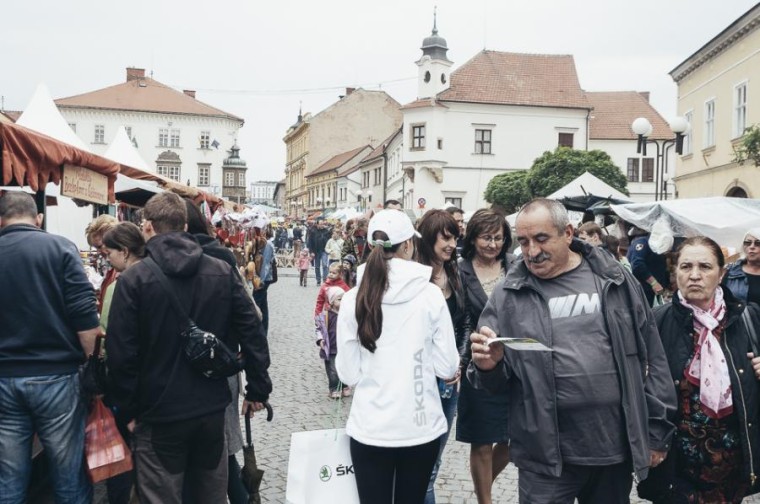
554	170
509	190
749	147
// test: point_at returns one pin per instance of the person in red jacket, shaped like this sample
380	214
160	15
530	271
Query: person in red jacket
334	279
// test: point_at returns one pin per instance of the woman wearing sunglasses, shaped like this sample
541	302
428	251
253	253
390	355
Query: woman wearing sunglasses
743	277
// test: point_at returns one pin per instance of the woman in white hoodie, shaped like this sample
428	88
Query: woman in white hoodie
395	337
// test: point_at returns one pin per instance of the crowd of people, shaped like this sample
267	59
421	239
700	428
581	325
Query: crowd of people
643	368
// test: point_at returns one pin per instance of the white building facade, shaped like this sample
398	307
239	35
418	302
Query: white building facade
262	192
178	136
477	122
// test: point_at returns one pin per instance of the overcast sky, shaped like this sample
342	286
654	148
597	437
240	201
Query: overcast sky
258	59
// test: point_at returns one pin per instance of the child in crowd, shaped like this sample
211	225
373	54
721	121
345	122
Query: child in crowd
327	323
304	261
349	275
334	246
334	279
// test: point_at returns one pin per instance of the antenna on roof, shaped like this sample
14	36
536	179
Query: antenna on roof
485	25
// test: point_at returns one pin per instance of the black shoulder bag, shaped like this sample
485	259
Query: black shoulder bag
206	353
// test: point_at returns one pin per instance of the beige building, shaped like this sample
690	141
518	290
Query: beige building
322	183
360	117
719	96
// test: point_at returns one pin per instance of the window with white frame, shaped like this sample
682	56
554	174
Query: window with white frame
163	137
687	138
170	171
229	178
204	174
565	140
709	139
740	109
482	141
241	179
100	134
205	139
418	136
174	138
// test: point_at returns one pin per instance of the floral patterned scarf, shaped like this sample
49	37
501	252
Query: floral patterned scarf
708	368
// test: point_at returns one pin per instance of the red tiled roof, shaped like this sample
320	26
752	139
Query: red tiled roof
378	151
338	160
542	80
615	111
13	115
143	95
423	103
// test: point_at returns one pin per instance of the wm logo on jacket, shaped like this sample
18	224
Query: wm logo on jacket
574	305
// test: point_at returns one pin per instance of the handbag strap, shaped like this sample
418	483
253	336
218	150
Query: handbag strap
751	332
161	276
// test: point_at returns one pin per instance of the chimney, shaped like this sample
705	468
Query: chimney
189	92
645	94
350	90
135	73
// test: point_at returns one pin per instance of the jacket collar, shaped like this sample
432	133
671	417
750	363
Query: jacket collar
13	228
735	270
734	307
470	278
602	264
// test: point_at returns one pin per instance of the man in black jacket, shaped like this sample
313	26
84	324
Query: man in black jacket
316	239
176	414
48	322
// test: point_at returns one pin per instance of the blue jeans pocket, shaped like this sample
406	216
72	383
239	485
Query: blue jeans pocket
54	395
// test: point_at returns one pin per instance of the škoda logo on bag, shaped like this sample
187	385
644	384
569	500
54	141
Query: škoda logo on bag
325	473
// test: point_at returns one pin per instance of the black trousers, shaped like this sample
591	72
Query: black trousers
333	382
260	296
589	484
377	467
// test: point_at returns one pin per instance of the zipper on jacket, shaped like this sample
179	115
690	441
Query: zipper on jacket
752	476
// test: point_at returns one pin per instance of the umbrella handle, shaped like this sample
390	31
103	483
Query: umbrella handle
270	415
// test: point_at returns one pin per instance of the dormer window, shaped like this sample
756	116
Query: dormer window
427	76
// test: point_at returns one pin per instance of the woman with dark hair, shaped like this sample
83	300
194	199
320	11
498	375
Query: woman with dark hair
482	416
743	276
124	246
436	248
394	338
707	335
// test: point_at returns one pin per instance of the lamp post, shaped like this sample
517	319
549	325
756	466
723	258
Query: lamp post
643	129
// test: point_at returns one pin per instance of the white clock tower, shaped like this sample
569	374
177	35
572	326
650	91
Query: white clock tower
434	66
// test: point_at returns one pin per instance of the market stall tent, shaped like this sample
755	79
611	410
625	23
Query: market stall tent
723	219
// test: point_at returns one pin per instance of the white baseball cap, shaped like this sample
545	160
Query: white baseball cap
394	223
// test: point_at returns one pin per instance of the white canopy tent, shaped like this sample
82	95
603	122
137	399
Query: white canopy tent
588	184
66	218
723	219
122	151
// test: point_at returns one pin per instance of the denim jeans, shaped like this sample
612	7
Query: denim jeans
51	407
321	266
449	396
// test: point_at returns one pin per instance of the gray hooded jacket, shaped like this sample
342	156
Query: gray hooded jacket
517	308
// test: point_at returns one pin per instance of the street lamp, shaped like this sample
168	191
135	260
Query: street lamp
643	128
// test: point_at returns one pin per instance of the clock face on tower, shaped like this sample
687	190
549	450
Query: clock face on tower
443	78
427	76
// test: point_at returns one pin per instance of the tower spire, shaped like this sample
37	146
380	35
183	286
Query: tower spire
435	20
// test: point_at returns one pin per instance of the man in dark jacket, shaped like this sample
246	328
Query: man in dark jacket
316	239
48	323
650	269
595	409
177	414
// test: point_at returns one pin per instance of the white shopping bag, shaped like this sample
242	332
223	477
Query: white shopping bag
320	470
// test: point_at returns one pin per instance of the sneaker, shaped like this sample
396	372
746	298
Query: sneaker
347	391
334	394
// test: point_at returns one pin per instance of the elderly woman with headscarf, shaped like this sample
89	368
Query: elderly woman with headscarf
707	335
743	277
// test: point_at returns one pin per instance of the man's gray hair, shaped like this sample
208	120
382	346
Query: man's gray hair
17	205
558	212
